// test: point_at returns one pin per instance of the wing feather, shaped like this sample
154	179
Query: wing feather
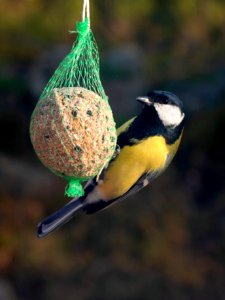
142	182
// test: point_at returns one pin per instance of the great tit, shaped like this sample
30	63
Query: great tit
146	145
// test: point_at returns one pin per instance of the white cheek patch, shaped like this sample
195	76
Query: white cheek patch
169	114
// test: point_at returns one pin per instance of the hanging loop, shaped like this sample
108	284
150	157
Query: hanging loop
86	11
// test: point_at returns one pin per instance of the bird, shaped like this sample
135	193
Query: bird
146	145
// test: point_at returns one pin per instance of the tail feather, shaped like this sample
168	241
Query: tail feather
58	218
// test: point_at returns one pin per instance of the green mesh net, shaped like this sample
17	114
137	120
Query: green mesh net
81	65
76	76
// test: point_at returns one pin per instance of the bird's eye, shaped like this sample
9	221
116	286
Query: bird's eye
166	101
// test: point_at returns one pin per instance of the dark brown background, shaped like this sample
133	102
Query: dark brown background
166	242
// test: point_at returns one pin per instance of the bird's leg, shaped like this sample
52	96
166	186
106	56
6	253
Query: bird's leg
116	152
100	172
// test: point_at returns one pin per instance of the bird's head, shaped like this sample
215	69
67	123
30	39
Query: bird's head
167	105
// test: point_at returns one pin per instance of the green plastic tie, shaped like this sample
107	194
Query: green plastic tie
74	188
83	27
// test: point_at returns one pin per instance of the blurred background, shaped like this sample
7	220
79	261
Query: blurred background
167	241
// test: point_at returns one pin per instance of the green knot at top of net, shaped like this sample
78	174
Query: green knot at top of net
83	27
80	68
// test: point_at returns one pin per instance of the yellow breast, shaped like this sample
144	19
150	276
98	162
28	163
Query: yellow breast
133	161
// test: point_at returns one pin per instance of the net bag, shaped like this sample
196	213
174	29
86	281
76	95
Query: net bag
72	128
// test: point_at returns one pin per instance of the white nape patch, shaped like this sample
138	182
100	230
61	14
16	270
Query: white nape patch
169	114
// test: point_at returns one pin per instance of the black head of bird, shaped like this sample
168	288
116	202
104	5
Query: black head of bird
167	106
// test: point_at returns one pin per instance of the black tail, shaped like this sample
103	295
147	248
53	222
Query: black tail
59	218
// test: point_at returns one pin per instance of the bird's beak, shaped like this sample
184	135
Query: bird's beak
145	100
